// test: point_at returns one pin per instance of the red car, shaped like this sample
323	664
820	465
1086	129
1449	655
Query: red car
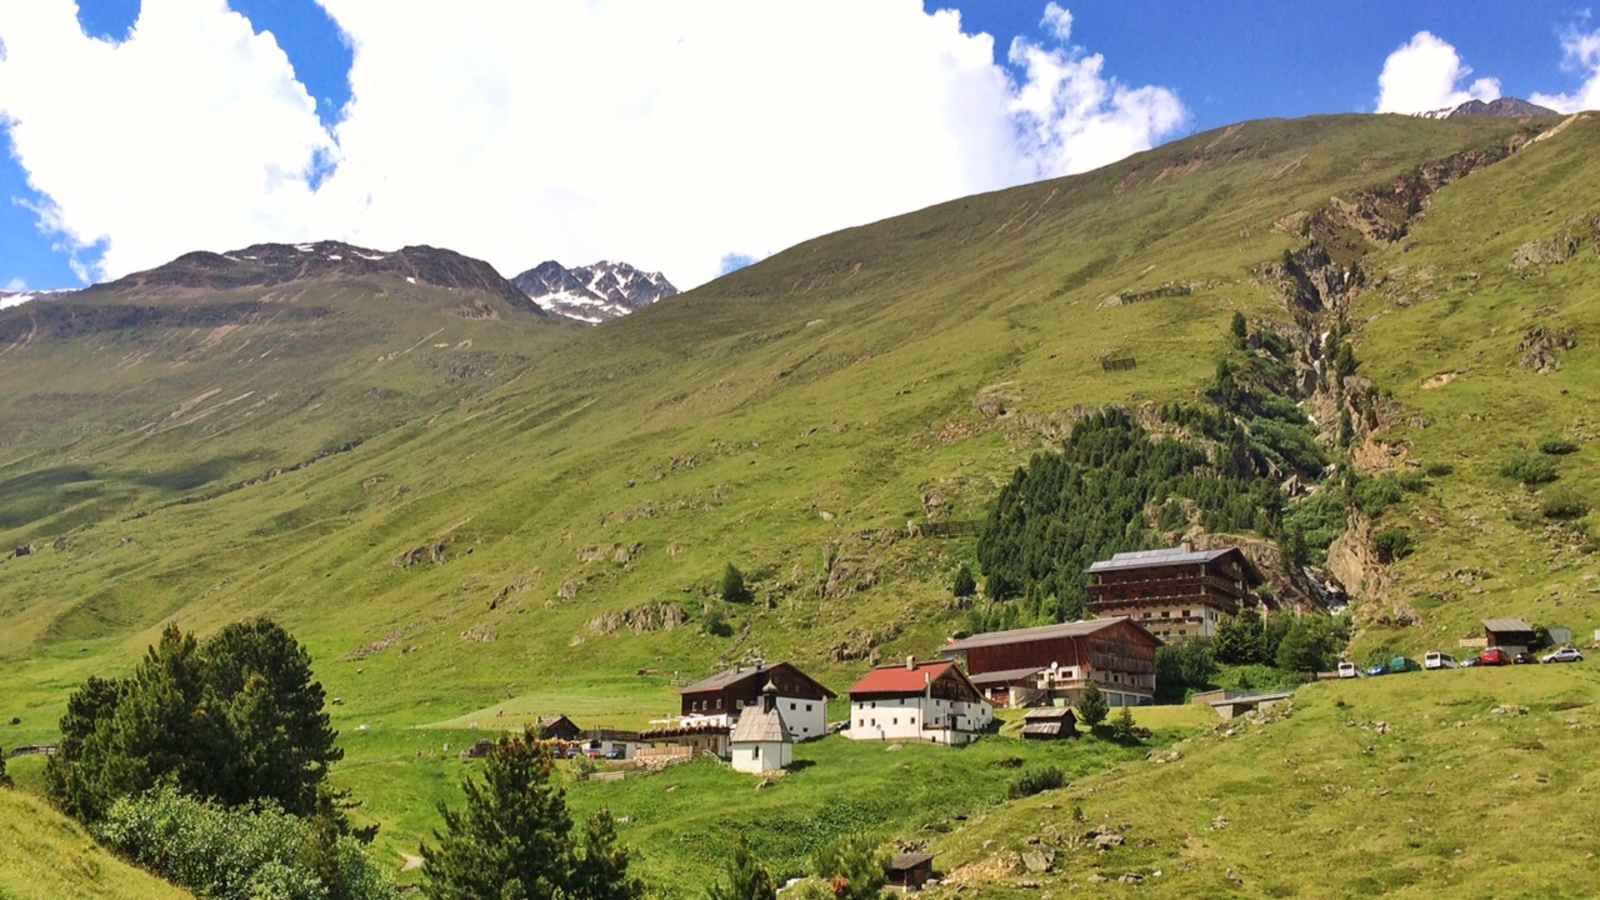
1494	656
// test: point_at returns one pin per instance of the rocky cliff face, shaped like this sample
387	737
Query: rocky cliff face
595	293
264	265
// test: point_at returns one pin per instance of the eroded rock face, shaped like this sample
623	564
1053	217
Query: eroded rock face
1541	348
641	619
435	553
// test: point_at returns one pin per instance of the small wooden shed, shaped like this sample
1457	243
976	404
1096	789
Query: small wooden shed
558	728
910	871
1049	723
1510	635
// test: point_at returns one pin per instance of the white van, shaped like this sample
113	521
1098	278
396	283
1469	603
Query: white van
1349	670
1436	660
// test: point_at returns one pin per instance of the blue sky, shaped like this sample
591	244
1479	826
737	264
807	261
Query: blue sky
1204	65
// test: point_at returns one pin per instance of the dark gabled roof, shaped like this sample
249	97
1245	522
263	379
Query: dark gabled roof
1048	713
737	674
904	861
1173	556
1499	625
1040	633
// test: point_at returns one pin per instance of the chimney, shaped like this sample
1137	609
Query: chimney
911	664
1188	545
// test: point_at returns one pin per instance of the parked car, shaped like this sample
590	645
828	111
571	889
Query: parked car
1403	664
1494	656
1379	669
1470	662
1565	654
1349	670
1524	658
1434	659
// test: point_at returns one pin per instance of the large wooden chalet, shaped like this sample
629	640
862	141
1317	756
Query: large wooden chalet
1033	666
720	698
1175	593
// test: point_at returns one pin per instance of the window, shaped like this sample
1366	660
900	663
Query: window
755	752
861	722
808	707
896	720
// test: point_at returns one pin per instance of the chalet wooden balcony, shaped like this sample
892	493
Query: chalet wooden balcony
1196	587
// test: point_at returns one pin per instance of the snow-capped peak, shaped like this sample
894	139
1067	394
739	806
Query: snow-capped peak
594	293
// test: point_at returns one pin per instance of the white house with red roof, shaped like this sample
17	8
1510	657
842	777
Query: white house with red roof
917	701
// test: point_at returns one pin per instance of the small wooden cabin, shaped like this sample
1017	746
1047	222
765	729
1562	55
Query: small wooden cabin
910	871
1049	723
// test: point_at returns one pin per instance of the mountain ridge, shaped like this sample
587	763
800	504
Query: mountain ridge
598	292
1500	108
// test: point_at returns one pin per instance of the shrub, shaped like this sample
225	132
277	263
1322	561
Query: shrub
964	584
715	624
1313	644
252	853
854	866
1558	447
514	839
1183	666
1241	330
747	878
1125	731
1393	544
1239	641
1439	470
1092	706
1529	469
1412	482
1564	504
1374	495
733	589
1036	781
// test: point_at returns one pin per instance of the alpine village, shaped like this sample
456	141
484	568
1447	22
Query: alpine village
1214	521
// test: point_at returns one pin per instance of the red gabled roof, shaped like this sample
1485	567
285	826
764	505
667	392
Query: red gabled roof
901	680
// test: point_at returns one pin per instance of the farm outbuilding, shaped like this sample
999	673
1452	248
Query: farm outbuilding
1510	635
1049	723
910	871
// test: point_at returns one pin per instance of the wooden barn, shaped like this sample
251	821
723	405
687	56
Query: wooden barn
1034	666
719	699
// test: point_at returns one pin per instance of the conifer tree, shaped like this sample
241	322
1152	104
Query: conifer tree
964	585
733	587
1092	706
747	878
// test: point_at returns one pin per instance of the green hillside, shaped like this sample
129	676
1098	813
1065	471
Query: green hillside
478	554
45	855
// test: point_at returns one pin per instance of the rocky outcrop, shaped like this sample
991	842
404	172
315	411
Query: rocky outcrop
1540	349
435	553
1353	560
650	617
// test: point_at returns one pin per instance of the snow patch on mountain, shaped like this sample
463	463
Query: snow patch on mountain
594	293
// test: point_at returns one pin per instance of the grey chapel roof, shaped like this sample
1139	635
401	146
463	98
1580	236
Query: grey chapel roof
757	725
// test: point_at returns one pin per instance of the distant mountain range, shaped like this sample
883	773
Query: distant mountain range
594	293
1503	108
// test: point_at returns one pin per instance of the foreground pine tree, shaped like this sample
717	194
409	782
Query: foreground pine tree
513	839
747	878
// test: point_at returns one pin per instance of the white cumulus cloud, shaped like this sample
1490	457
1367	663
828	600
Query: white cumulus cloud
1581	53
671	135
1426	73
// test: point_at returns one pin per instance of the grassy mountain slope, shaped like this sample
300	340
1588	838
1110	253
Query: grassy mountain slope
1469	783
45	855
792	418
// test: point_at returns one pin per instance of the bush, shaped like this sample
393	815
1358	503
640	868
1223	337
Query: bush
1313	644
1564	504
1183	666
715	624
854	866
256	853
1412	482
1125	731
747	878
1239	641
1241	330
1092	706
1558	447
1393	544
1036	781
1439	470
1374	495
964	584
733	589
1529	469
235	719
514	838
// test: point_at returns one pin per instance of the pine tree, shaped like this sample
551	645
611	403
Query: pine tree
1241	330
747	878
964	585
1092	706
733	588
601	871
513	838
855	867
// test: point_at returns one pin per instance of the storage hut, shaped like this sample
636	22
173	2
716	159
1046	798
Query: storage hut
910	871
1049	723
1510	635
760	742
